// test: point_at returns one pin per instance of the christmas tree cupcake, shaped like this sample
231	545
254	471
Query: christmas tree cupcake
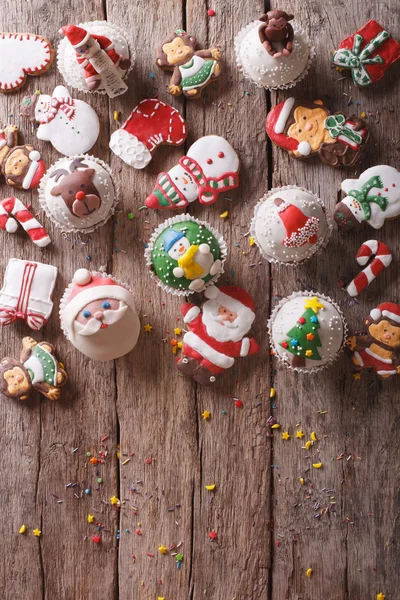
273	53
290	225
307	331
185	255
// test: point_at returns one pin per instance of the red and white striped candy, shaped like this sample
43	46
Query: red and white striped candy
382	259
12	207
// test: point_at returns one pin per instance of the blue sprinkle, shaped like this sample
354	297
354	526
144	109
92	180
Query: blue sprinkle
87	491
152	76
223	412
89	258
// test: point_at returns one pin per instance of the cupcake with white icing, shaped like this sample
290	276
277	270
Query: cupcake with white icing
273	53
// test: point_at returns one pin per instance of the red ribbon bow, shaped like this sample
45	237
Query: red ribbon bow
10	315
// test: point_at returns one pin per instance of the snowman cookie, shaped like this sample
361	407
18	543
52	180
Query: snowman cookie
210	167
71	125
185	255
22	54
373	197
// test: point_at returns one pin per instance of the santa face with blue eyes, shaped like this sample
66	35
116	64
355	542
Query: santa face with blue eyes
98	315
88	49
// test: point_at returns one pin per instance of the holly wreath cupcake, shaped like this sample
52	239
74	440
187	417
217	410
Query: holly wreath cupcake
307	331
272	53
185	255
290	225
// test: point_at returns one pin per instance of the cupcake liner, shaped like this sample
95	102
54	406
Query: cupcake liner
318	248
42	199
329	360
297	30
180	219
66	58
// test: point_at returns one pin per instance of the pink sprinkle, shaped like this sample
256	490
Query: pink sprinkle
211	12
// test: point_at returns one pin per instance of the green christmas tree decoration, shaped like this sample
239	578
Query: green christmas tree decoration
303	339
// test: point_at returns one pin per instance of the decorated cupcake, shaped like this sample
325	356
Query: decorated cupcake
290	225
78	193
185	255
307	331
272	53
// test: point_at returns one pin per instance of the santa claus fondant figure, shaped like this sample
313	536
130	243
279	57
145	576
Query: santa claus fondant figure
98	316
98	58
210	167
149	125
217	333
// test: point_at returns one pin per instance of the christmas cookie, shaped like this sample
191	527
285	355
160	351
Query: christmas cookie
373	197
367	53
71	125
26	293
305	129
192	70
14	212
23	167
98	316
210	167
8	140
185	255
151	124
22	54
95	56
307	331
78	193
217	333
37	369
272	53
379	346
377	256
290	225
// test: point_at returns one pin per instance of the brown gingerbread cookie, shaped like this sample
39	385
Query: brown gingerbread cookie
8	140
192	69
23	168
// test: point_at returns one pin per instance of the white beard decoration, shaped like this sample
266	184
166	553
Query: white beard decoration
225	331
93	326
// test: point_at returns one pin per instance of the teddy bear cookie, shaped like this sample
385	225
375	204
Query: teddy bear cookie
210	167
95	57
217	333
23	54
151	124
367	53
290	225
307	331
373	197
378	348
37	369
185	255
272	53
70	125
192	70
78	193
305	129
21	166
98	316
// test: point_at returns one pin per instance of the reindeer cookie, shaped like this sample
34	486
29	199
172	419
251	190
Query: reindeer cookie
36	369
78	193
192	69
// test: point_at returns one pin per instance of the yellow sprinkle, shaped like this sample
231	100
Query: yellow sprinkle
118	454
116	115
252	241
22	529
148	327
211	487
286	435
62	365
340	69
363	115
224	215
302	480
309	352
90	518
309	573
317	465
276	426
299	434
162	550
272	393
37	532
114	500
313	436
126	461
177	331
206	414
308	445
179	345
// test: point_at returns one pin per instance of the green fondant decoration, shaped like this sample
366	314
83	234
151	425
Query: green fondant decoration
48	363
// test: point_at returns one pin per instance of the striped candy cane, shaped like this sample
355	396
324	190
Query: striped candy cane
12	207
382	259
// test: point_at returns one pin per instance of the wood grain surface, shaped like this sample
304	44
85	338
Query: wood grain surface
159	453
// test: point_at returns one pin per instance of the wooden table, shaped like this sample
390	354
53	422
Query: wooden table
344	522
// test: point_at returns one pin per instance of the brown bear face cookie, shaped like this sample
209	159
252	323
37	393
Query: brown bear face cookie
23	168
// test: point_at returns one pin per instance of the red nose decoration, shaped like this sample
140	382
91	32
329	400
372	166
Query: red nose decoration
80	196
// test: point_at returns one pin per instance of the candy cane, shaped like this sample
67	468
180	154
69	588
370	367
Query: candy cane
383	258
12	207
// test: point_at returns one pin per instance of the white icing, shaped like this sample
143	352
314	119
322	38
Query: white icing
130	149
68	136
284	115
207	148
269	231
56	208
20	53
261	67
391	181
304	148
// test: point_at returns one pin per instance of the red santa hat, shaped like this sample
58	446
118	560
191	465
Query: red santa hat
387	309
77	36
88	287
276	124
235	299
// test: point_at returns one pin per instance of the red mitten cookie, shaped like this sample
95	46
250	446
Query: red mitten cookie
22	54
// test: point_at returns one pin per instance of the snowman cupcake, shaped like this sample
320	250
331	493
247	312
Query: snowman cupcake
272	53
185	255
290	225
307	331
78	193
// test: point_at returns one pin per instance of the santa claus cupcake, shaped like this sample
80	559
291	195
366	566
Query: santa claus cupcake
307	331
98	315
273	53
290	225
185	255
